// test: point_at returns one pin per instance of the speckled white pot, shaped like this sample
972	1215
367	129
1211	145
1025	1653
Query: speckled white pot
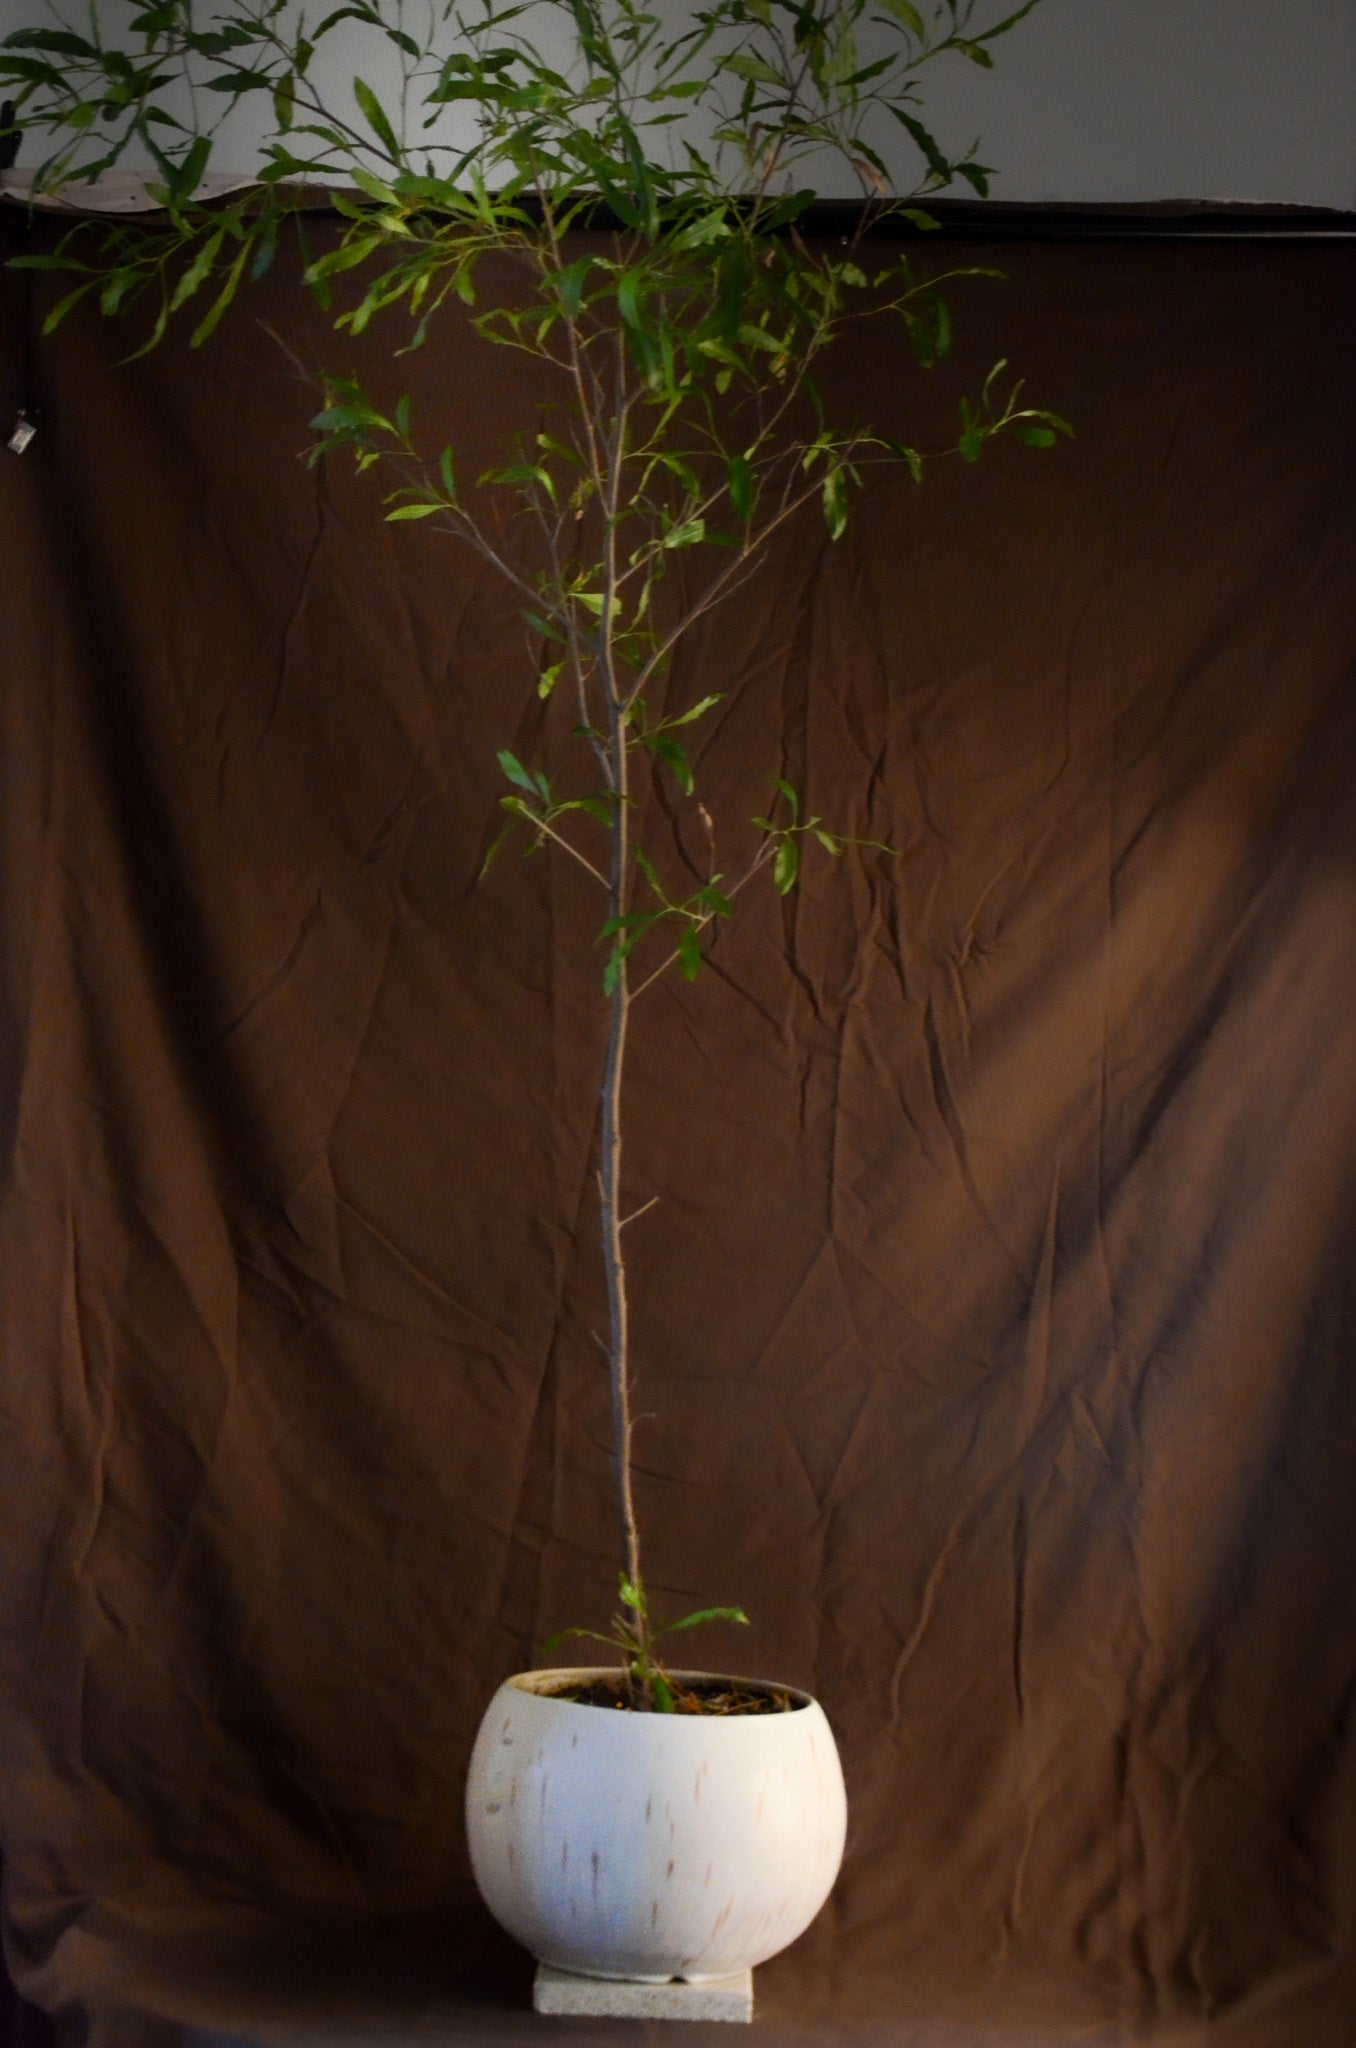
652	1846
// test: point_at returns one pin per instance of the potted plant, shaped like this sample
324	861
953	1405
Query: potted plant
622	194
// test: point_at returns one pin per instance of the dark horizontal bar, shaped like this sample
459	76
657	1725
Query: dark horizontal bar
988	220
981	220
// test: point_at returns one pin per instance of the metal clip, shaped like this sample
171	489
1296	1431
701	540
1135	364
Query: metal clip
25	427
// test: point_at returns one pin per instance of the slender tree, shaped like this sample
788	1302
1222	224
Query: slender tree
684	343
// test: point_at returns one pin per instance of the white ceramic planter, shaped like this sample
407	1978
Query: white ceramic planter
652	1846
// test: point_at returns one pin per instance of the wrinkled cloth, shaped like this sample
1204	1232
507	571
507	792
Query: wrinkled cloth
994	1323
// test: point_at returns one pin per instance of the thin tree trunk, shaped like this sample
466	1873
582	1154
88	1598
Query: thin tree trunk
618	1356
619	889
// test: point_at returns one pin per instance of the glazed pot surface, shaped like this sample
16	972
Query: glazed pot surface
619	1844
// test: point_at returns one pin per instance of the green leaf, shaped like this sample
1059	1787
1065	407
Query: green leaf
266	248
867	71
786	866
705	1614
492	850
570	284
515	771
208	325
628	297
753	68
669	751
1000	28
690	953
238	82
1033	427
688	535
116	288
663	1692
936	162
375	188
565	1635
63	306
632	1595
188	174
57	42
789	793
835	504
910	457
976	175
697	711
375	115
905	11
422	510
633	922
1034	435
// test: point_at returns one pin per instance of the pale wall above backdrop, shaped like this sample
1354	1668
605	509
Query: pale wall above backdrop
1116	100
1111	100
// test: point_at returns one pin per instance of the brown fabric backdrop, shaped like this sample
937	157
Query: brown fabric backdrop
996	1321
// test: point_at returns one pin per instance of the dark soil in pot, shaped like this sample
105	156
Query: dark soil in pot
705	1696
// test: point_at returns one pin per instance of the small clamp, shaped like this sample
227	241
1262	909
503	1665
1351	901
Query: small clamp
25	427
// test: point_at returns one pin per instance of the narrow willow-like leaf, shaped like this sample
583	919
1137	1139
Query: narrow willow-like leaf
515	771
905	11
208	326
703	1615
835	504
674	756
696	711
566	1635
741	486
377	119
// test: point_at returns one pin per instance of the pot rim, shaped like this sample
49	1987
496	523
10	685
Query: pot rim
545	1684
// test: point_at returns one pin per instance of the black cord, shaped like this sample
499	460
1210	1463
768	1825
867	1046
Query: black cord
30	412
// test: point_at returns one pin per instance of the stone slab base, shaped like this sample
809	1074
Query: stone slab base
720	1998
